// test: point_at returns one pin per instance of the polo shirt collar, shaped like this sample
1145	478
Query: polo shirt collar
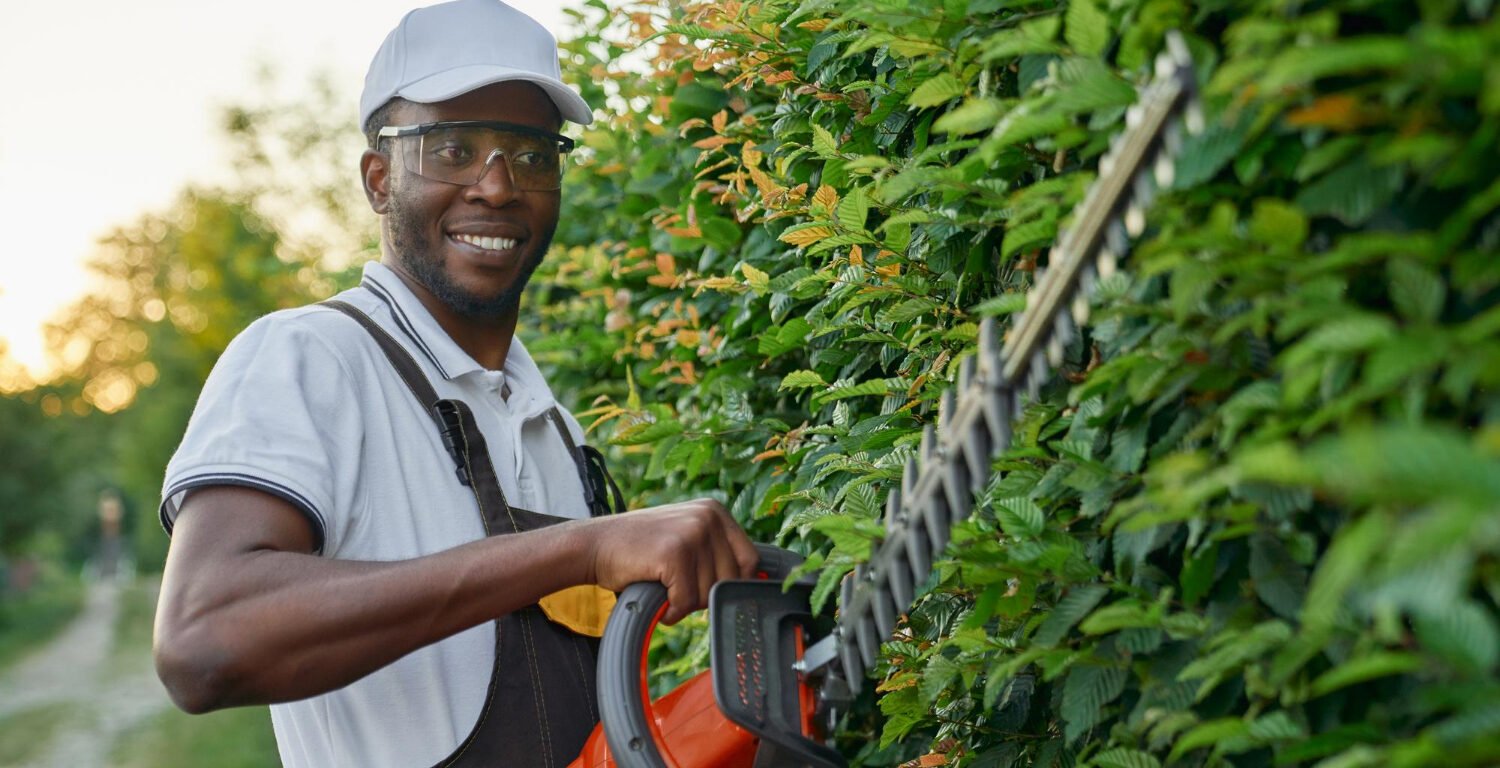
427	338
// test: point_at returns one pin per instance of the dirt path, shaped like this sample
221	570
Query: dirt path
106	695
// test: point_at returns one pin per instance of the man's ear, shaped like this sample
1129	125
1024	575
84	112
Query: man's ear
375	172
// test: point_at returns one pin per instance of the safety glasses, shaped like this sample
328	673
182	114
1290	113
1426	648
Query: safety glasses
461	151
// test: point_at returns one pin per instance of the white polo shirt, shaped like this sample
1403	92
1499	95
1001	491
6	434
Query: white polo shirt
305	406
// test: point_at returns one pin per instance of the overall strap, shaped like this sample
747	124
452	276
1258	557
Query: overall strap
455	422
600	492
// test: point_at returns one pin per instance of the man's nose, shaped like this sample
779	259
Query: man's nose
495	185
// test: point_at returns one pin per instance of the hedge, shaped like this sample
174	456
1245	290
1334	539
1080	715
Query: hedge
1253	522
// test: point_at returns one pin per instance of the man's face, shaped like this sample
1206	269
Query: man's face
471	247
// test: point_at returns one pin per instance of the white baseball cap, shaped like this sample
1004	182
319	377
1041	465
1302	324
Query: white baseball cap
449	49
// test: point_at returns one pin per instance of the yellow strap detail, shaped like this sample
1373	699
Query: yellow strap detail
583	609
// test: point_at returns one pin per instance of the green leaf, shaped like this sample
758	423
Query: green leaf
830	576
1087	84
1275	726
759	281
908	310
1203	155
973	116
1021	518
645	432
1004	304
1029	37
1087	28
940	673
850	535
802	380
1463	633
1085	693
1031	234
1351	193
1342	566
1405	464
1208	734
1304	64
1279	581
936	90
1360	669
778	341
854	208
1126	614
823	143
1275	222
1074	606
860	389
1419	294
1123	757
1346	334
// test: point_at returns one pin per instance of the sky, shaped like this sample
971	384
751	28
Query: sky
110	108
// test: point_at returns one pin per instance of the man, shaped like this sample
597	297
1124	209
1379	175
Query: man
330	553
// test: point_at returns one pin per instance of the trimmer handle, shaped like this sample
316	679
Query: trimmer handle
630	728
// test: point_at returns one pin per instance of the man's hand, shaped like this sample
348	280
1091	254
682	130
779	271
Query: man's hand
686	546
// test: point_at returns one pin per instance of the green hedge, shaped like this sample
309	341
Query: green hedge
1253	522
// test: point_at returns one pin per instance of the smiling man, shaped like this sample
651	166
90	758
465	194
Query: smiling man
382	523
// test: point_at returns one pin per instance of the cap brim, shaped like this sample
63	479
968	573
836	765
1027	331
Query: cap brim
460	80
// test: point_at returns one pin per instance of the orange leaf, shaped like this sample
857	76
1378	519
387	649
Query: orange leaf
1338	111
856	256
713	142
750	155
769	189
806	236
827	197
815	25
763	455
721	118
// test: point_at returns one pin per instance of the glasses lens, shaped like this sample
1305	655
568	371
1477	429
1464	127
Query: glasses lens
460	155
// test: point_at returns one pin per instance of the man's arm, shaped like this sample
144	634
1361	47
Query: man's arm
248	615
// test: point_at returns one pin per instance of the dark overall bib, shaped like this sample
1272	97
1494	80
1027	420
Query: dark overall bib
540	707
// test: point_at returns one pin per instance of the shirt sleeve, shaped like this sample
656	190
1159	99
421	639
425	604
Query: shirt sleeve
279	414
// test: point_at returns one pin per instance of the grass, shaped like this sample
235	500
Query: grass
133	626
26	734
231	738
30	621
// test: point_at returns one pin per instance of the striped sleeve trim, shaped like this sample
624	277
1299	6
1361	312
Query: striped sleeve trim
292	497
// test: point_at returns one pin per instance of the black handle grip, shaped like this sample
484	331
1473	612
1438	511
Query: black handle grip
624	700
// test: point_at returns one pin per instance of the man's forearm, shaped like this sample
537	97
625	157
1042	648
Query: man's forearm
275	626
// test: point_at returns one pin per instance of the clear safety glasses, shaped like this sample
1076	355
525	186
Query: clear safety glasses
460	152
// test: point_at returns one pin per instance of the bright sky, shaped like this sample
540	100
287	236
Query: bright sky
110	108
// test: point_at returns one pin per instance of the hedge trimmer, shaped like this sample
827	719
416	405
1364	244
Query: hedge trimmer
780	678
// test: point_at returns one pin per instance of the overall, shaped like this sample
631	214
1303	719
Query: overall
540	706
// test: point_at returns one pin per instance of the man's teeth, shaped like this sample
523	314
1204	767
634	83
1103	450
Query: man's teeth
487	243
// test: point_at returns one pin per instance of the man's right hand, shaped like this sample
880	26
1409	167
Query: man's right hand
687	547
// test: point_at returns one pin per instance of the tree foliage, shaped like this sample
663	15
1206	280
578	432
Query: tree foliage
175	287
1252	523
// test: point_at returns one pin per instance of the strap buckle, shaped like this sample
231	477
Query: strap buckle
452	433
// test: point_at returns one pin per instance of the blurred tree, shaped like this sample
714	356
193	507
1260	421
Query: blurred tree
174	289
45	486
296	161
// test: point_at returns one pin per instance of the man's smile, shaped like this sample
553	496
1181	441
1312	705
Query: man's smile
485	243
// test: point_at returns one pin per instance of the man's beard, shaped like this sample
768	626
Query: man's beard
426	267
